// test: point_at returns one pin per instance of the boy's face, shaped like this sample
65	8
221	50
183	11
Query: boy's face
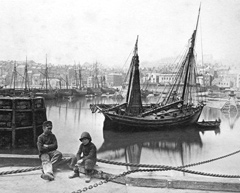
47	129
85	141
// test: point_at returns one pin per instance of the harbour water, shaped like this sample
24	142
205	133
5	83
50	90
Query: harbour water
169	147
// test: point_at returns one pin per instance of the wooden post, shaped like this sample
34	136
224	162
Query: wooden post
13	123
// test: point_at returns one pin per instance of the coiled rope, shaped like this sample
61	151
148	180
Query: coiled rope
20	170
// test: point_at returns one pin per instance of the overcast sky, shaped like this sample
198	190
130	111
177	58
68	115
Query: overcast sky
106	30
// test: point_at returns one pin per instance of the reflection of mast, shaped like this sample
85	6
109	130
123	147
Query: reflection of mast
133	155
181	143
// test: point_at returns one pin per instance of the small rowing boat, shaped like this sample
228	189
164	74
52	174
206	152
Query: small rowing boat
215	123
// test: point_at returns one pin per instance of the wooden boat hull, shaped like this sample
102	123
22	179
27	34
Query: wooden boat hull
209	124
143	122
108	90
79	92
94	91
64	93
46	96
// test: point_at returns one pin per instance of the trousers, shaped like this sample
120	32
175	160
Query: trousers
49	160
88	164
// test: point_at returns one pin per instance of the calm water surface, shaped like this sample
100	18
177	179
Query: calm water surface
172	147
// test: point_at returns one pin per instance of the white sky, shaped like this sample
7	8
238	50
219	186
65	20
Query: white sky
106	30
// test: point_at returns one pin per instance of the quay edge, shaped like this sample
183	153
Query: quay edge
136	180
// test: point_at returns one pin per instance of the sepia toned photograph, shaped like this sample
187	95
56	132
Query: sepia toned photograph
119	96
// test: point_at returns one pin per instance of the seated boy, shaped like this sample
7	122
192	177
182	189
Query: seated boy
48	153
86	157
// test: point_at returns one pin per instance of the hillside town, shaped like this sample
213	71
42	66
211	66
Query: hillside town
214	76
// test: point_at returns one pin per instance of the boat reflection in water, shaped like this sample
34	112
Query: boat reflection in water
176	147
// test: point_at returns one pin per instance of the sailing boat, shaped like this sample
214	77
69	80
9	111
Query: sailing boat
47	94
180	106
79	90
20	90
64	92
94	89
105	89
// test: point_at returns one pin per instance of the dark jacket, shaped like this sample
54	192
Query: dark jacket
49	140
89	151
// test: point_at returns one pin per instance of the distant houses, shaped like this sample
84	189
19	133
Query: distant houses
208	75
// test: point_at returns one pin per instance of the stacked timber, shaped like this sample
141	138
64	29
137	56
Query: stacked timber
22	113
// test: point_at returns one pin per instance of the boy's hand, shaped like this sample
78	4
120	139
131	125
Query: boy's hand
80	161
44	145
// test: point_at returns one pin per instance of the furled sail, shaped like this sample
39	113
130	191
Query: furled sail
134	101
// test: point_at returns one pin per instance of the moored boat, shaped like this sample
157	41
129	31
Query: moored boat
46	94
207	124
64	93
79	92
181	106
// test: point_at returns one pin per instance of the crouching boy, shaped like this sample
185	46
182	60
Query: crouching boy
86	157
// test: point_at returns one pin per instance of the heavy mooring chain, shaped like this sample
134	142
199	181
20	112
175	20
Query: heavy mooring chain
164	167
180	169
152	170
103	182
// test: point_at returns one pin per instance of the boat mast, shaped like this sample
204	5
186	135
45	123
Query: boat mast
14	77
96	81
190	55
26	75
133	99
46	73
67	81
75	75
80	76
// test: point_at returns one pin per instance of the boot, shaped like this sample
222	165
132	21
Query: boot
88	175
47	176
87	178
74	175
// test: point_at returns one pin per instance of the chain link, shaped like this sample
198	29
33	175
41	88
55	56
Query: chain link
154	168
162	168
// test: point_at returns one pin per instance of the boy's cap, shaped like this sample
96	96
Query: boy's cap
45	123
85	135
